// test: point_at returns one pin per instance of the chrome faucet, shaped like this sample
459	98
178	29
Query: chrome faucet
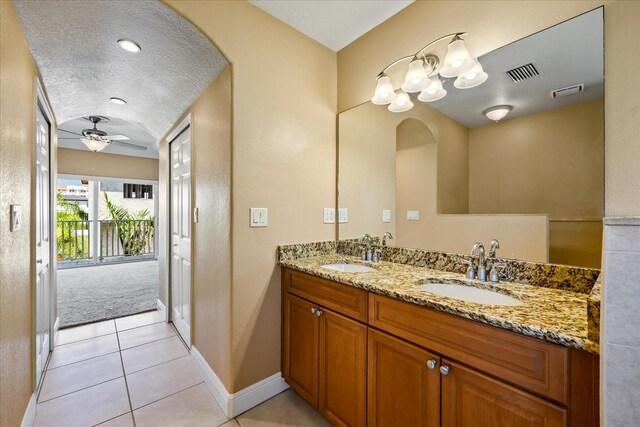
368	254
478	250
494	245
386	236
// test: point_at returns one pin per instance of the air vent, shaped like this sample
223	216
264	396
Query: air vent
523	73
569	90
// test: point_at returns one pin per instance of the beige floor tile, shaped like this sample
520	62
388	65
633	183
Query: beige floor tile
125	420
231	423
83	350
79	333
86	407
145	334
147	355
287	409
137	320
192	407
160	381
74	377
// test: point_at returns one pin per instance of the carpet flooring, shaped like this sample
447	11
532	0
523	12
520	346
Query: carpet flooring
92	294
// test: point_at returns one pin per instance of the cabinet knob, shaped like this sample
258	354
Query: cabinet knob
319	312
313	310
444	370
431	364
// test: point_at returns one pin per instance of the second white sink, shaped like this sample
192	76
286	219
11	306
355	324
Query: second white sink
470	294
348	268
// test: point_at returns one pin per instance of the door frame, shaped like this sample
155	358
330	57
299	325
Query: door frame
41	102
177	130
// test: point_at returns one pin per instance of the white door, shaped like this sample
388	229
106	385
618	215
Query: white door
42	241
181	234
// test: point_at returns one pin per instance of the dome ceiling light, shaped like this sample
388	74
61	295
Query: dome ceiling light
497	113
117	100
422	75
129	45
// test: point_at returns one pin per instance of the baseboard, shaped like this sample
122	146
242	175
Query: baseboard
30	414
235	404
161	309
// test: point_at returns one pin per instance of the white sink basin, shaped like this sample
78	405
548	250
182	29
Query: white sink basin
470	294
348	268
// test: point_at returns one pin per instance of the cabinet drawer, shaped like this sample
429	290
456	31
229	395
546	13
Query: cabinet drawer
343	299
527	362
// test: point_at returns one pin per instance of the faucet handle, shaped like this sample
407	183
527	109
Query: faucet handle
471	274
494	274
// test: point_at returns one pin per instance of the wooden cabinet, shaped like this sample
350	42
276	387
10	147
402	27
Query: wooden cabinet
404	383
470	398
325	360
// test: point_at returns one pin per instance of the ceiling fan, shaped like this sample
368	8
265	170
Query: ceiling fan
96	139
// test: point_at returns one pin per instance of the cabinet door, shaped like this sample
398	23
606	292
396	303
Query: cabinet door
403	390
343	370
470	398
301	333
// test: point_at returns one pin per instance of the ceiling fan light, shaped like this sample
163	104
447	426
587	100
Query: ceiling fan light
433	92
401	104
94	144
474	77
384	93
457	61
497	113
129	45
417	78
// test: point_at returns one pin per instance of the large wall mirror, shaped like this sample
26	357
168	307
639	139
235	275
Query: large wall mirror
442	176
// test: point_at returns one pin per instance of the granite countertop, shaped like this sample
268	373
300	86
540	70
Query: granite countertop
554	315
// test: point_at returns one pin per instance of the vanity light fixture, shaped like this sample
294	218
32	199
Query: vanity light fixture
129	45
497	113
118	101
422	75
94	144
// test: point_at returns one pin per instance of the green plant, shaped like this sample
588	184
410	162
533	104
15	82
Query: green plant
135	229
72	221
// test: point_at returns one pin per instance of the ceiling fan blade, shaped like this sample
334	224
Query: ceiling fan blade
76	138
118	137
130	145
68	131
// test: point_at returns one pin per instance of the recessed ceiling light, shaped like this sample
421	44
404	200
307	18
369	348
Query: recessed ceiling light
118	101
129	45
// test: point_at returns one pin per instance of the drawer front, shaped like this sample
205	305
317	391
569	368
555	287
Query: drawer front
346	300
527	362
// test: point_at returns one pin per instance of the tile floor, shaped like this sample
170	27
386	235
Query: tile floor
135	371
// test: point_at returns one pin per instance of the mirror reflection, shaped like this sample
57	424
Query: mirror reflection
443	175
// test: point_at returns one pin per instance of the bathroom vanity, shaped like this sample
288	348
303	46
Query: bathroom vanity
373	348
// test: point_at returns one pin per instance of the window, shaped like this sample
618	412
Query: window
137	191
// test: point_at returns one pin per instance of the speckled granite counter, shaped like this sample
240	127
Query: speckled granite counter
554	315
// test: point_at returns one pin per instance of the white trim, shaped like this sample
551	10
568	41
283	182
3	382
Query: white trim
162	309
30	413
235	404
178	129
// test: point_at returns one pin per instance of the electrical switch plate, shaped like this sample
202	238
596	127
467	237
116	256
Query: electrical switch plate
386	215
258	217
329	216
342	215
16	218
413	215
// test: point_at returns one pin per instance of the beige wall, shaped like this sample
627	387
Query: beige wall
17	118
87	163
283	158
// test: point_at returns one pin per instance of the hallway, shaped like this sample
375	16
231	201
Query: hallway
135	371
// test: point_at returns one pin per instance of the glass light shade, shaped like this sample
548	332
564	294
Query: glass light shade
384	93
402	103
434	92
94	144
457	61
417	78
474	77
497	113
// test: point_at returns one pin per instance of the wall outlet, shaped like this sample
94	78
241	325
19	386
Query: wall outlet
342	216
329	216
413	215
16	218
258	217
386	215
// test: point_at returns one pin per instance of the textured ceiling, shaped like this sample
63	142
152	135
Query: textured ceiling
333	23
82	66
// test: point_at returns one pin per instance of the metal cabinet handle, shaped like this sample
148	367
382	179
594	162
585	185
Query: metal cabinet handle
319	312
39	261
313	310
431	364
444	370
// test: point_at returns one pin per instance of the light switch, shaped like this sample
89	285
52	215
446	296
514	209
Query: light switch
329	216
195	215
413	215
16	218
258	217
342	215
386	215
